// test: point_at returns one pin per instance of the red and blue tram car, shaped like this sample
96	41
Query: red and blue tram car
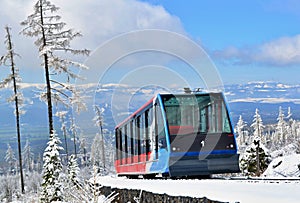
177	135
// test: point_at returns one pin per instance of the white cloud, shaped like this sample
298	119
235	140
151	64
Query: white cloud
97	20
270	100
284	51
102	20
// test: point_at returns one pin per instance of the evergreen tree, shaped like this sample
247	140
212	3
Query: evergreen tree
99	121
51	185
74	129
28	156
257	125
73	171
82	150
52	40
240	129
96	151
289	116
10	158
281	129
294	129
62	116
290	121
39	163
256	159
13	79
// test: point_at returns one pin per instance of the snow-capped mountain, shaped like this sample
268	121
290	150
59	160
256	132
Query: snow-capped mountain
266	96
120	100
242	100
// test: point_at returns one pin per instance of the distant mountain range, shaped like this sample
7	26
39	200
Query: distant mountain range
120	100
266	96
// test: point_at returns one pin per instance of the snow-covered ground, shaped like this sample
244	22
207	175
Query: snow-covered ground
284	166
243	191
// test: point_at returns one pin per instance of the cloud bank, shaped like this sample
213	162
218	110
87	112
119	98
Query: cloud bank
98	21
280	52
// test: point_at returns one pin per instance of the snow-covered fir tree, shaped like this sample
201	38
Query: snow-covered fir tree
241	133
99	121
39	163
281	129
256	158
291	135
258	126
74	129
10	158
28	156
73	171
96	151
83	151
289	116
72	184
62	118
52	189
9	188
295	130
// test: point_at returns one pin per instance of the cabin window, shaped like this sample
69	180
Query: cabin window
193	114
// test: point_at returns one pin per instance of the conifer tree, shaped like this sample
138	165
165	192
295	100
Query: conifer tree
99	121
256	159
257	125
10	158
96	151
82	150
74	129
240	129
294	129
13	79
62	117
27	156
51	185
281	129
73	171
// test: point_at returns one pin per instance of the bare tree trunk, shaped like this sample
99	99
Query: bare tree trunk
102	146
257	160
17	108
66	142
47	75
74	135
75	148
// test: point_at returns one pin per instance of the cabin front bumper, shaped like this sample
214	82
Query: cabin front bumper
203	165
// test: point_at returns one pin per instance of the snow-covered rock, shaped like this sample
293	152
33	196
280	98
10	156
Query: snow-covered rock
285	166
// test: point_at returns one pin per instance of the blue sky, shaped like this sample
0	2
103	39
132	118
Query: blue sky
247	40
219	24
246	26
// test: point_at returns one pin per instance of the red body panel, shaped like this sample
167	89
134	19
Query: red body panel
133	164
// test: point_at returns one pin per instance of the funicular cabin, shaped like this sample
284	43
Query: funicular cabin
184	135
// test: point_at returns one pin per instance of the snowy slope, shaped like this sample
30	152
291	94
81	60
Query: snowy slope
284	166
244	191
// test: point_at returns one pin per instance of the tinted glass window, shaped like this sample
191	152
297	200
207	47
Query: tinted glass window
191	113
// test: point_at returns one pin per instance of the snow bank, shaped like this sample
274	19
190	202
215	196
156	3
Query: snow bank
285	166
246	191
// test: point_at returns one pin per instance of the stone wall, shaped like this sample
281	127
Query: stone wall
138	196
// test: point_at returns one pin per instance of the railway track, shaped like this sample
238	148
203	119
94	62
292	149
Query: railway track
287	179
247	178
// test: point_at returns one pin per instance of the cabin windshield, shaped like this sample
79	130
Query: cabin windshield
196	114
